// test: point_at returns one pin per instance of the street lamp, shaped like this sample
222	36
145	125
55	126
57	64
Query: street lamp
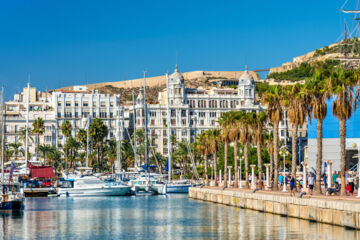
240	183
284	151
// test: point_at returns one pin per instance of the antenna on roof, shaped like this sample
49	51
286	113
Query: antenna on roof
176	58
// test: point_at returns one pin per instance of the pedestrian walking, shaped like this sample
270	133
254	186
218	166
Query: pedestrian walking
311	181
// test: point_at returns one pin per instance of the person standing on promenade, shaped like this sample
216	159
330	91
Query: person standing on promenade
281	179
311	181
335	175
325	181
292	185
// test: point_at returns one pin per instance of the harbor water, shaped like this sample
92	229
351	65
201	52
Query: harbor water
154	217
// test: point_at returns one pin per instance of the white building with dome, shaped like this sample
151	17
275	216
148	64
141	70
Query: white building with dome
192	110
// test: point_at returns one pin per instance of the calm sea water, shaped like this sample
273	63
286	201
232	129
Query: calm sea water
154	217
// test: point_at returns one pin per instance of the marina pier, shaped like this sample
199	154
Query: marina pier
333	210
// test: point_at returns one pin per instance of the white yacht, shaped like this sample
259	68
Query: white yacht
146	184
92	186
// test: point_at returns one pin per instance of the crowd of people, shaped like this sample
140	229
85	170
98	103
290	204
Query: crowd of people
298	183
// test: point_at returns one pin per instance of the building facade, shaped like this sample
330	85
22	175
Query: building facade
15	118
192	111
79	106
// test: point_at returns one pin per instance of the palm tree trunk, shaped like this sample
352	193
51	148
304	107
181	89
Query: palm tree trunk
215	168
342	126
276	155
206	170
319	129
236	163
259	157
271	165
38	143
225	162
246	156
98	153
293	150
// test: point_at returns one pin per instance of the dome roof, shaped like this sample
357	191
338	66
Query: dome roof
246	78
176	77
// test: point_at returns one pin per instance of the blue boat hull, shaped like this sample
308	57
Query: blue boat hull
179	188
11	206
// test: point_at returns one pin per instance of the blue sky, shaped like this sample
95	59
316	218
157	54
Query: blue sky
70	42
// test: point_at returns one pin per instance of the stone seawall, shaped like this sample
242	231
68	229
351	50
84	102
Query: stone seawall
337	212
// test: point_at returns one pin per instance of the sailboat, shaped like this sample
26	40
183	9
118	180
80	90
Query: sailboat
11	196
145	183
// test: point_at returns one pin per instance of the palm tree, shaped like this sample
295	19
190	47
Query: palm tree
258	122
140	143
317	89
22	135
16	149
341	84
214	144
202	146
66	128
181	155
38	129
71	148
225	121
245	139
98	132
297	102
273	99
235	137
111	153
44	150
81	136
55	159
269	142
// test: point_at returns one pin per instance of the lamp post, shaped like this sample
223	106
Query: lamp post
252	175
267	174
220	177
240	179
229	167
329	165
284	186
284	151
304	173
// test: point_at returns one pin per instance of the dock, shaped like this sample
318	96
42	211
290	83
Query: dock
330	210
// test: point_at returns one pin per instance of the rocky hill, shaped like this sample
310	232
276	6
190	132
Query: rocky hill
156	84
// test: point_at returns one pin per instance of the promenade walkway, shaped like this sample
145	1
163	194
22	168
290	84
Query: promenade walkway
351	198
336	210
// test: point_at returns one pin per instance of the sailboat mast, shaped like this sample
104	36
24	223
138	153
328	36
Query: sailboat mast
146	130
2	135
134	123
27	125
168	127
87	141
118	152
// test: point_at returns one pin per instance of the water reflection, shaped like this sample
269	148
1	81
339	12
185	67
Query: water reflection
171	217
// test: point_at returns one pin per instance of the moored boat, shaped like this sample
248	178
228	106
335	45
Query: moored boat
146	184
181	186
92	186
12	199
